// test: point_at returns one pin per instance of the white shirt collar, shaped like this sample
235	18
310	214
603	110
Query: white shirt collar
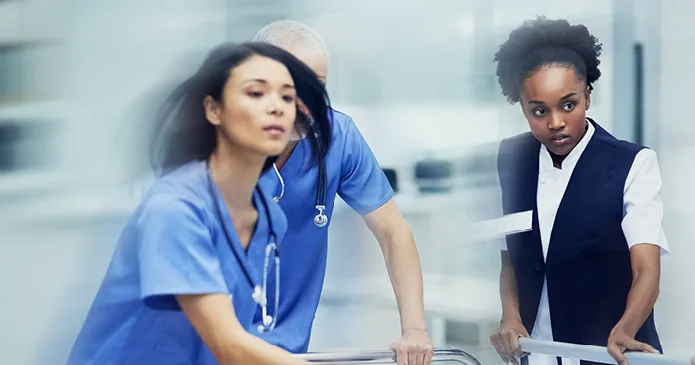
568	164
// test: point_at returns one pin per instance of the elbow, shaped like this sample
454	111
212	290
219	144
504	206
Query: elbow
393	236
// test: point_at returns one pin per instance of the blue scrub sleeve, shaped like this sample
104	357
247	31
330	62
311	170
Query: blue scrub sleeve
176	254
363	184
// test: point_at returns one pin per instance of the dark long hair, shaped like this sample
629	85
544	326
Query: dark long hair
182	133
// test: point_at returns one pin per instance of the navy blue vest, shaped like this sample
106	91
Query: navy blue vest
588	267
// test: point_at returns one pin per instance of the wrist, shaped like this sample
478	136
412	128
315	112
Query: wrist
625	328
405	330
510	318
413	323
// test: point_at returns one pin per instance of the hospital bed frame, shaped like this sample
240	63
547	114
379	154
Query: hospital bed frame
453	355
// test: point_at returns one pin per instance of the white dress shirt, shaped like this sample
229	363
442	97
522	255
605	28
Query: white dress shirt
642	216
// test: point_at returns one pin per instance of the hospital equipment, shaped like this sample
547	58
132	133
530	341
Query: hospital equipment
259	291
321	219
453	355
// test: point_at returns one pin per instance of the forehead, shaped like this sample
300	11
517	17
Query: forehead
261	68
552	82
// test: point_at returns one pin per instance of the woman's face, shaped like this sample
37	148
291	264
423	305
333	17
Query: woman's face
554	101
258	107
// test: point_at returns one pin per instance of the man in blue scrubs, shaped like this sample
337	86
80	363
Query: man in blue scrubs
353	173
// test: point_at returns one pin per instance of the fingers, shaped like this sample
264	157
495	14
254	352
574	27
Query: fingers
512	344
497	345
516	347
616	352
428	357
413	358
504	345
419	355
644	347
649	349
401	356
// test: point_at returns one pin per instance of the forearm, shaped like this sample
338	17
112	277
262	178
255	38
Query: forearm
249	349
508	290
214	319
641	299
405	272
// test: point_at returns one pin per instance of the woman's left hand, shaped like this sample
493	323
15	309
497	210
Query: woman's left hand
413	348
620	341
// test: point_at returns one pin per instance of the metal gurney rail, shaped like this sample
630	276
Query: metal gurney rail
594	353
452	355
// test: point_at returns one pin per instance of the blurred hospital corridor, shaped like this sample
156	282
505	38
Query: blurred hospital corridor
77	80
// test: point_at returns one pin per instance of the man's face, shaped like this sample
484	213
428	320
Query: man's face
318	63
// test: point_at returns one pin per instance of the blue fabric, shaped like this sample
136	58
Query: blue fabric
353	173
173	244
588	268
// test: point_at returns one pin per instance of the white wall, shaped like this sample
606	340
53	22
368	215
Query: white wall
114	51
676	317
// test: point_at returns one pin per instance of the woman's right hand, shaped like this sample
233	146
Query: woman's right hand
506	340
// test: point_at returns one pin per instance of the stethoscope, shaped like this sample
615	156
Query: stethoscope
259	294
321	219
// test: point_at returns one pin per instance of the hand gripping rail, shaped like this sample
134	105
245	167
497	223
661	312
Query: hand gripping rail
450	355
593	353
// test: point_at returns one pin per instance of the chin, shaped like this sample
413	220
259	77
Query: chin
562	151
275	148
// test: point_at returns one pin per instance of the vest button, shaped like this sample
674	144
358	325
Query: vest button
539	267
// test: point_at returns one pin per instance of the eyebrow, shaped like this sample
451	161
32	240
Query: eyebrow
263	81
561	99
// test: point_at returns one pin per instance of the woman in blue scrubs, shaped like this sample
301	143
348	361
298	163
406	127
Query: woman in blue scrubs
191	266
588	271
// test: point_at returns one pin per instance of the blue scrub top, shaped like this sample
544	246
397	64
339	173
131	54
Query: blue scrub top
353	173
173	244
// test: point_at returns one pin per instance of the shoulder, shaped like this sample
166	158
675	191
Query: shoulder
183	192
523	140
515	148
646	162
340	118
615	145
343	124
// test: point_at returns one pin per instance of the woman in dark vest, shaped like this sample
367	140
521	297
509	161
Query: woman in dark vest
588	271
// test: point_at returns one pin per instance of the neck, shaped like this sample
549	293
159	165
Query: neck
235	172
285	155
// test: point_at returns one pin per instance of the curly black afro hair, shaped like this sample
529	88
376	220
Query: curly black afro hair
543	42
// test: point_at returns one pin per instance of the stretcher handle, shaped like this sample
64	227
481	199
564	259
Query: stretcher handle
450	355
593	353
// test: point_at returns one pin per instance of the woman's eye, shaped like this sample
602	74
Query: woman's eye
567	107
255	94
288	98
539	112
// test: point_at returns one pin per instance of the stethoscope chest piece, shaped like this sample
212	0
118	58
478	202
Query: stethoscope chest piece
321	219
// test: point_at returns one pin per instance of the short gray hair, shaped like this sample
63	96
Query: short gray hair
290	34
